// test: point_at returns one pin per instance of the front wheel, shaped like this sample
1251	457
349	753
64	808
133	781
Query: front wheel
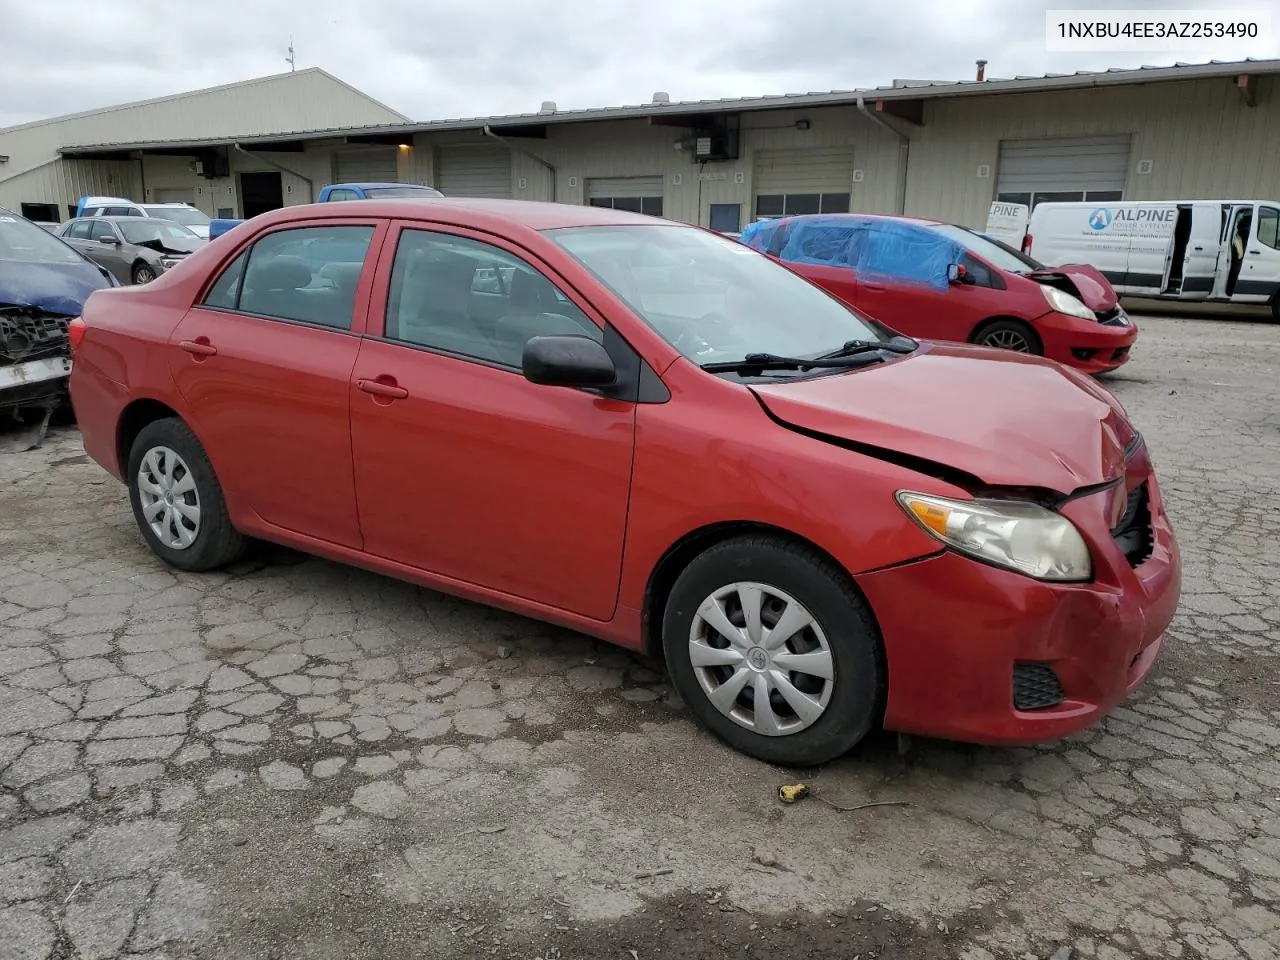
774	651
1009	335
143	273
177	500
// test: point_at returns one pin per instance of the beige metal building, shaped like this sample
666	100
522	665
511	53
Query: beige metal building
942	150
43	183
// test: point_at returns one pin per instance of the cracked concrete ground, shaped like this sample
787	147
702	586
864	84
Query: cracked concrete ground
295	759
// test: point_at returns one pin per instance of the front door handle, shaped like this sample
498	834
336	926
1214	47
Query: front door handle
200	346
383	387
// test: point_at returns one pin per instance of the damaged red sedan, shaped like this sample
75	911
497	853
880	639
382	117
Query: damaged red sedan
649	433
946	282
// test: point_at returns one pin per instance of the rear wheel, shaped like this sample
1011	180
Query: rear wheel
1009	334
143	273
774	651
177	500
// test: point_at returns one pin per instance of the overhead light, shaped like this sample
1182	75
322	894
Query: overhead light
405	146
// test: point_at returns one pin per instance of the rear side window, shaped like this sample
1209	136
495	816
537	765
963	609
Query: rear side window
336	195
308	275
121	212
80	230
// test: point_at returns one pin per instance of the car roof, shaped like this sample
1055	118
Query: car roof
473	211
379	183
167	203
853	217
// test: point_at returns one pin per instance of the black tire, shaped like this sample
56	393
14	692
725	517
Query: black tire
216	542
143	273
993	331
856	702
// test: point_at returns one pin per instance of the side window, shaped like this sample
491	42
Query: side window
101	231
225	293
976	270
469	298
904	252
80	230
1269	227
308	274
336	195
121	212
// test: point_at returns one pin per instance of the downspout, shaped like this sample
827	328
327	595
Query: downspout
904	153
524	153
311	187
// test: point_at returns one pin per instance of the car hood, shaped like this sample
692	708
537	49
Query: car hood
998	418
1086	283
172	246
56	287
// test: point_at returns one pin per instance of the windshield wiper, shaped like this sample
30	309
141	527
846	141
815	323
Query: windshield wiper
772	361
898	344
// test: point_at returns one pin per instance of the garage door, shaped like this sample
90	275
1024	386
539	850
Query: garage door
1065	169
638	194
474	172
174	195
813	180
366	165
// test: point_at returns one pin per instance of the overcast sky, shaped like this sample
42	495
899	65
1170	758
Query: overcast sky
437	59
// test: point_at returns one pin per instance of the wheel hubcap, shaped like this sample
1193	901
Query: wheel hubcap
1007	340
762	659
170	501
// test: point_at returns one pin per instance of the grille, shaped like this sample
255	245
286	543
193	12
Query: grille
1036	687
1133	533
1115	317
31	336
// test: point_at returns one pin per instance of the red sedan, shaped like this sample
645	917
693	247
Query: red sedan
649	433
946	282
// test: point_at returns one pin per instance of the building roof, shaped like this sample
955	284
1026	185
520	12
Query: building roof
908	90
189	94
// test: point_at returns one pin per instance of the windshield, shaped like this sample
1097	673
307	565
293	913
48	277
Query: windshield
188	216
713	298
140	230
995	252
23	241
408	190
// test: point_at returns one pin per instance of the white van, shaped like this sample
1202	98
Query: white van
194	219
1215	250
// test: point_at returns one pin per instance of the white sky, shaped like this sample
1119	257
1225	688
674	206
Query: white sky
438	59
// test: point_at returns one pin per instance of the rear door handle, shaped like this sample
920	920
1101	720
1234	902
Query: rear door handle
381	388
872	286
200	346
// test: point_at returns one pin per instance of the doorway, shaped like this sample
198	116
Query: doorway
259	193
1237	240
1178	255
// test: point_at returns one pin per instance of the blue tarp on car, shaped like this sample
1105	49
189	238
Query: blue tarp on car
874	247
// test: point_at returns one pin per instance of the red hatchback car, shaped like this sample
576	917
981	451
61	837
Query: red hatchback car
597	419
945	282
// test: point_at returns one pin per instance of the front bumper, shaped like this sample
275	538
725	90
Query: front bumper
954	630
33	382
1087	345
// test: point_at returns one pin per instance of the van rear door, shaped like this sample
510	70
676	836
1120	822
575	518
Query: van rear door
1204	249
1008	222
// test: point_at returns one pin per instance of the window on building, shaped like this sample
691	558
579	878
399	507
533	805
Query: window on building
1269	227
1037	197
473	299
307	275
797	204
647	205
726	217
43	212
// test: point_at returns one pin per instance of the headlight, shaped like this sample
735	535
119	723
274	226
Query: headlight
1024	537
1064	302
169	264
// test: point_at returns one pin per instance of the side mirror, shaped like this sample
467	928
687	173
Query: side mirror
956	273
568	361
112	241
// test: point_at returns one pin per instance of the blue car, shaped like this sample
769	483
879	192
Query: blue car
43	284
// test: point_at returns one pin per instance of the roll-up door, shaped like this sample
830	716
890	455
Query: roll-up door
474	171
638	194
1063	169
804	180
366	165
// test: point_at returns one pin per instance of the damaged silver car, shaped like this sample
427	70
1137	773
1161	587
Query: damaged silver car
134	249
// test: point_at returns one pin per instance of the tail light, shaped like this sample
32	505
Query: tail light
75	332
1026	245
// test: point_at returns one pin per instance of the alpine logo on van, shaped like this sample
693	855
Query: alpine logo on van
1100	219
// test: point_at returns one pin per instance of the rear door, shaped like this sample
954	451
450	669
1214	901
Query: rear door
264	363
1260	279
1204	247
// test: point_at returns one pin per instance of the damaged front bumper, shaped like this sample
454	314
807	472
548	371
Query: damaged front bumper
35	361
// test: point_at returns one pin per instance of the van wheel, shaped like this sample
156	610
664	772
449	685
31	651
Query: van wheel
774	651
1009	335
177	500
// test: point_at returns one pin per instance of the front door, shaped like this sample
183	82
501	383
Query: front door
104	247
1260	278
264	363
464	468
